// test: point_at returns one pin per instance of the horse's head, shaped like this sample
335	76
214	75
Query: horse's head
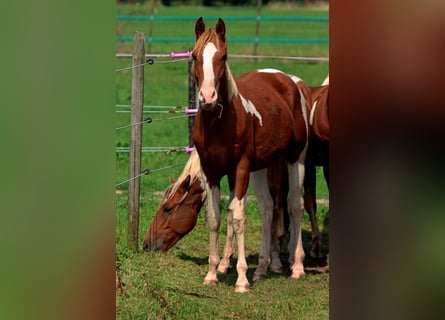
176	215
209	66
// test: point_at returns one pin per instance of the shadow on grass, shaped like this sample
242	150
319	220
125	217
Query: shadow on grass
200	261
312	266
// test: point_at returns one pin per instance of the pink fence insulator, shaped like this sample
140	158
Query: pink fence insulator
189	149
190	111
177	55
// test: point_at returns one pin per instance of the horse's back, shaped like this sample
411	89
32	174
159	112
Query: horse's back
319	116
280	122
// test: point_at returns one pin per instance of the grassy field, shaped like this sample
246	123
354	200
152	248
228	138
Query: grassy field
166	286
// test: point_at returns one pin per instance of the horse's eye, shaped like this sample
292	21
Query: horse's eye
168	210
224	57
193	57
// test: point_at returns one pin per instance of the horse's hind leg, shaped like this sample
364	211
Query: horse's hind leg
278	232
311	207
295	209
265	205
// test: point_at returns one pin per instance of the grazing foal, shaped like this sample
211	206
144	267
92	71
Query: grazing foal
178	210
243	125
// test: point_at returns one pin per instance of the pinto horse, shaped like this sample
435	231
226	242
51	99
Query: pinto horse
242	126
177	212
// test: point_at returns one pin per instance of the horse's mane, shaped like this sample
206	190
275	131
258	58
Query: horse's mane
232	88
192	168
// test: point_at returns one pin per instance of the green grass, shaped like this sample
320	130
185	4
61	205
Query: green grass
170	285
167	286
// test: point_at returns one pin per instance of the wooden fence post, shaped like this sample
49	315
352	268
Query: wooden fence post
192	103
134	167
257	29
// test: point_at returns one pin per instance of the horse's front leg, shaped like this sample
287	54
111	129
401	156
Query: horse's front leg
265	206
237	208
213	219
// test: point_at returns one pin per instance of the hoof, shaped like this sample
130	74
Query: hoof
223	269
257	277
210	282
297	274
276	270
242	288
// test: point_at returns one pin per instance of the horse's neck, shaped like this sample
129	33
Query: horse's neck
231	89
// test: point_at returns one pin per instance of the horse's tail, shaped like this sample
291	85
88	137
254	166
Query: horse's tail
305	99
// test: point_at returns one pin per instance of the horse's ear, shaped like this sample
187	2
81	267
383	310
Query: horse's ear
172	180
199	27
221	28
186	183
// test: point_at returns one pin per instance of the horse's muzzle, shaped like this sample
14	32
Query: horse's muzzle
147	247
207	106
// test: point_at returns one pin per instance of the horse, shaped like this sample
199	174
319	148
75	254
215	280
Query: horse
317	155
178	210
242	126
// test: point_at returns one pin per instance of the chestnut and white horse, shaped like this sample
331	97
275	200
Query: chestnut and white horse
243	125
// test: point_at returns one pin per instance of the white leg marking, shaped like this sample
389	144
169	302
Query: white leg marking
239	225
295	209
213	219
224	265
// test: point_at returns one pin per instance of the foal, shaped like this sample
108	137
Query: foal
243	125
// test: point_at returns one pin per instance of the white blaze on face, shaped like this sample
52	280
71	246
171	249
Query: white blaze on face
250	108
207	92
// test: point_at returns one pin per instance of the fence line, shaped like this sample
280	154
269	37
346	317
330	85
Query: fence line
234	55
233	40
157	149
152	111
147	120
147	171
182	56
172	109
226	18
150	106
